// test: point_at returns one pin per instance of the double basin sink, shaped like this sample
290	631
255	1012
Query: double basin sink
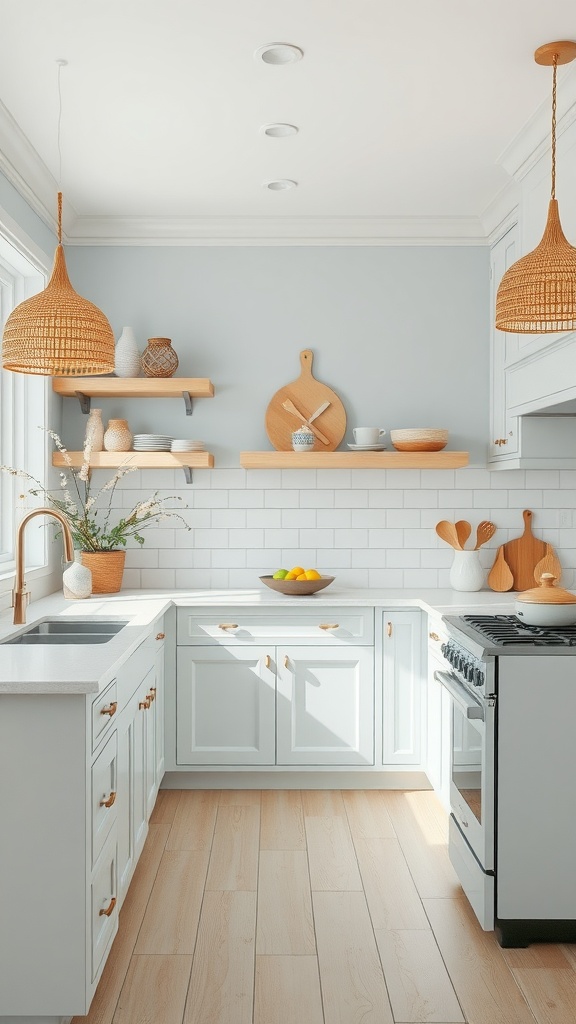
71	631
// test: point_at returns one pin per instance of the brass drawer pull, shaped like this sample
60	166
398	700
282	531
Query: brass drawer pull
144	704
152	694
329	625
433	636
389	629
267	661
286	661
109	908
111	799
160	636
228	625
110	709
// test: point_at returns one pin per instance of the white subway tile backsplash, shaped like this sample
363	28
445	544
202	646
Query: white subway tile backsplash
131	579
373	527
386	538
351	498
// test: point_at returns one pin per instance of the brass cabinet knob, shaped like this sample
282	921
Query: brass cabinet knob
433	636
152	695
228	625
144	704
500	441
160	636
329	625
109	908
111	799
110	709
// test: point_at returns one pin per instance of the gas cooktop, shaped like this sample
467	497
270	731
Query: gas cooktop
507	629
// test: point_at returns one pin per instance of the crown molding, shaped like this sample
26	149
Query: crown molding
502	212
26	171
533	140
333	231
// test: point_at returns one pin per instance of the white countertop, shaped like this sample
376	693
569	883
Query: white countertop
87	668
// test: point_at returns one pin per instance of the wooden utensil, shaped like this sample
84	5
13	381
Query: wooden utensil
307	395
550	563
290	407
484	531
500	577
523	554
447	531
463	531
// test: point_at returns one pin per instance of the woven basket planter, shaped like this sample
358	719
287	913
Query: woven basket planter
107	568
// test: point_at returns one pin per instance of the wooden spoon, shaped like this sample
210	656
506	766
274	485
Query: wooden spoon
550	563
447	531
500	577
463	531
290	407
484	531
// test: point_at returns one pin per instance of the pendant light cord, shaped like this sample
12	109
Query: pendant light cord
61	63
555	66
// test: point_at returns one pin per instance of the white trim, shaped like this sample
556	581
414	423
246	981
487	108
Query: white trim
533	140
276	231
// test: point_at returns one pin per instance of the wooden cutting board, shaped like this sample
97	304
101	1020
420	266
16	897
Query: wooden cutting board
523	554
307	394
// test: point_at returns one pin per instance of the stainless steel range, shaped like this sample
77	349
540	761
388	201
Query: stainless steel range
513	773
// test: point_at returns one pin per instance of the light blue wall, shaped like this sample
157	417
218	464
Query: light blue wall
401	334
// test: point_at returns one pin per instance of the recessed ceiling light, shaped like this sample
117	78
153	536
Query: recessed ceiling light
279	53
280	185
279	131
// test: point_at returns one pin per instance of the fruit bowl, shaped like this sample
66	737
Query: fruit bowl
297	588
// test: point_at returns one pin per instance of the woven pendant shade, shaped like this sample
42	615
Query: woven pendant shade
537	294
57	332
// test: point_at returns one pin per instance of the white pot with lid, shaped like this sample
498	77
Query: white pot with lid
546	604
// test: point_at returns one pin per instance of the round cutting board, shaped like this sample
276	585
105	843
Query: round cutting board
307	395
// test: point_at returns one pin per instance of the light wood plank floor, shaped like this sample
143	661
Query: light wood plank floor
288	907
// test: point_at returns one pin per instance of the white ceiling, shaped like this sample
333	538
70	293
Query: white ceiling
403	108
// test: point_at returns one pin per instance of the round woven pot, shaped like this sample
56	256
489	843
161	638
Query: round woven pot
159	358
118	436
106	568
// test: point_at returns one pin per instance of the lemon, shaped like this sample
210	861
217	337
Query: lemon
290	575
280	574
302	576
297	570
312	574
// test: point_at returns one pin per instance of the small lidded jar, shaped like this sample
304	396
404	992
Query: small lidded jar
303	440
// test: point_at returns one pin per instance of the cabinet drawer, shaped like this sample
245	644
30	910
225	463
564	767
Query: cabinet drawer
103	791
104	906
322	625
104	709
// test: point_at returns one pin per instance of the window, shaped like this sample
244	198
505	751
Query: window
22	402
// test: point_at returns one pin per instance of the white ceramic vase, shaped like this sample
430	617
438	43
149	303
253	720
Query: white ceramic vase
77	580
95	430
466	572
118	436
126	355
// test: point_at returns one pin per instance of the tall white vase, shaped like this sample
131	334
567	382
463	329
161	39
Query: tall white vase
95	430
126	355
466	572
77	580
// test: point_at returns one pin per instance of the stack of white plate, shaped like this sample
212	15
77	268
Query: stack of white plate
152	443
181	444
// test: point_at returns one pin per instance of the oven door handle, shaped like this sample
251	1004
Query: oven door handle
460	695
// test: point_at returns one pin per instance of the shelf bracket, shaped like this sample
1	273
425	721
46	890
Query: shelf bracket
187	402
84	401
187	474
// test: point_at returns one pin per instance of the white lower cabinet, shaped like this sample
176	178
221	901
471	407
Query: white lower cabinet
402	685
277	702
79	776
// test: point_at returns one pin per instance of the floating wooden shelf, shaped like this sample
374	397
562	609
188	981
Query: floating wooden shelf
142	460
354	460
86	388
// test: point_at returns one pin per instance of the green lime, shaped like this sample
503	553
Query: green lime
280	574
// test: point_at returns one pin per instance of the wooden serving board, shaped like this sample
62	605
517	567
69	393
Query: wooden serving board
523	554
307	394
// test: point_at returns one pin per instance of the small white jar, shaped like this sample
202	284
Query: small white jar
303	440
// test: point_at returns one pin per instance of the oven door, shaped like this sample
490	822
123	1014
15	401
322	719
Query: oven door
472	778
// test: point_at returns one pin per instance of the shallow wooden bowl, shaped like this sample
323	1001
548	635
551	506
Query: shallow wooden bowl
419	440
297	588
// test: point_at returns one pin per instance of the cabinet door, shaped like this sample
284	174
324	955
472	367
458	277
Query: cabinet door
402	687
159	713
225	699
325	711
504	351
132	796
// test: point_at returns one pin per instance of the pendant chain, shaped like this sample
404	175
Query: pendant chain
554	126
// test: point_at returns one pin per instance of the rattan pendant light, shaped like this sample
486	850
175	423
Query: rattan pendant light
537	294
57	332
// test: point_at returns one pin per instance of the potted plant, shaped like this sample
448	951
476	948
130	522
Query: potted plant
100	539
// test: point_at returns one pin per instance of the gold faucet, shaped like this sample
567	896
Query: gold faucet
21	596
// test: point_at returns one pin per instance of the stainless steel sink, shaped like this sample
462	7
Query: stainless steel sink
75	631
